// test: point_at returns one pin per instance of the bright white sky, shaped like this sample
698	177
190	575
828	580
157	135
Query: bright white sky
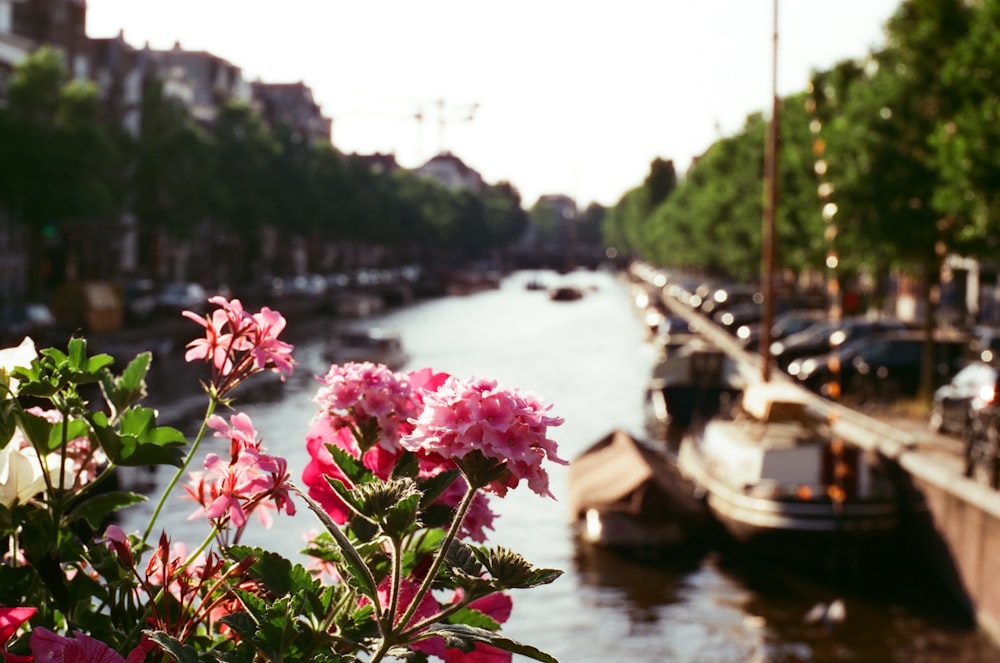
574	96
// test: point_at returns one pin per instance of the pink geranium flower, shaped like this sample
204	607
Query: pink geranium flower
247	480
49	647
11	620
238	344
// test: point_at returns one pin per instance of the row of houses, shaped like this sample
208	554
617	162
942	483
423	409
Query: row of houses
202	81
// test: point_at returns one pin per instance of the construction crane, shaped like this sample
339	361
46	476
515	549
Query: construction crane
440	112
447	115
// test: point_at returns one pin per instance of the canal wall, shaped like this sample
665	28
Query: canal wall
957	539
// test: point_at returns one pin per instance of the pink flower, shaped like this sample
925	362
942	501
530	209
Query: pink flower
11	620
117	540
370	398
49	647
238	344
495	606
267	350
500	425
498	608
321	464
250	479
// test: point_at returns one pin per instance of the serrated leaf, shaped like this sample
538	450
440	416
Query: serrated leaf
354	470
346	495
434	486
512	571
464	637
173	647
138	441
473	617
354	565
279	575
407	466
128	388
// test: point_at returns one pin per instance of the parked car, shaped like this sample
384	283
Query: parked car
181	296
139	300
20	319
784	324
730	295
882	368
956	403
890	366
822	337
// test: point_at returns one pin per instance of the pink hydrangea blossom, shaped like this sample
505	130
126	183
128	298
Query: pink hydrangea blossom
369	398
503	425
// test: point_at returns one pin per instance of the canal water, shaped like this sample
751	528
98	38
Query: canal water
589	358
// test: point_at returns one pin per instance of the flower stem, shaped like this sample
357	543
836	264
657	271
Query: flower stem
425	586
209	411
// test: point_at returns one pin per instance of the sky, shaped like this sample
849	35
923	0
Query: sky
573	97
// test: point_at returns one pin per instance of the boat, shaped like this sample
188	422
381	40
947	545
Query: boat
626	494
565	293
689	385
375	344
781	485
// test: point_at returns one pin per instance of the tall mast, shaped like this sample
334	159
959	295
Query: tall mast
770	210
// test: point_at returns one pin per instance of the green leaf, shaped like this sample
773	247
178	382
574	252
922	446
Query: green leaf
128	388
406	466
177	650
512	571
139	441
64	431
352	467
8	421
472	617
434	486
37	429
96	509
464	637
354	565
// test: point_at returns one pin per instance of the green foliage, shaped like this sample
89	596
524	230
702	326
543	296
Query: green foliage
270	607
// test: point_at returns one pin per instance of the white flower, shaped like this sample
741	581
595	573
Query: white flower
11	358
21	473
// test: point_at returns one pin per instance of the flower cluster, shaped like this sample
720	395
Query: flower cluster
238	344
249	480
501	425
400	472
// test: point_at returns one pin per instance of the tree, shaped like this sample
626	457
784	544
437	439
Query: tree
965	142
885	146
60	169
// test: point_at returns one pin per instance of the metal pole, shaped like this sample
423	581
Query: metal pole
770	210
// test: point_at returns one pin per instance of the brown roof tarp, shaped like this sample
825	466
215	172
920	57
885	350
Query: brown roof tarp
620	473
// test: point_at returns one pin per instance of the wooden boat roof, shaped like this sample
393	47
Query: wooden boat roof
617	470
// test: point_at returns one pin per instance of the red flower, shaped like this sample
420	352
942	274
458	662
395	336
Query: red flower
49	647
11	620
